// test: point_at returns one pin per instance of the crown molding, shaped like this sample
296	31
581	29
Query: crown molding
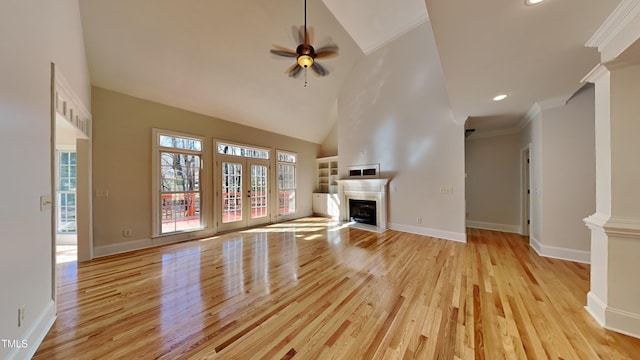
619	31
533	112
595	74
493	133
614	24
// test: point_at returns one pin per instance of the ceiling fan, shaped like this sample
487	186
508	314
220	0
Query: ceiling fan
305	54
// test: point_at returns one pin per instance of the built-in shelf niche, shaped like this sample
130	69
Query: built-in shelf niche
327	177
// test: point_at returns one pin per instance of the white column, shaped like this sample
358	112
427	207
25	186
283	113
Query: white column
614	297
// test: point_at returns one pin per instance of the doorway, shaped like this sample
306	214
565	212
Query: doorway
526	190
243	194
65	195
70	174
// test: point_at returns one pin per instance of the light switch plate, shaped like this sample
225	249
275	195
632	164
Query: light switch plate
45	202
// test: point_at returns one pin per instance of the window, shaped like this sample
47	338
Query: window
66	219
178	194
244	151
286	183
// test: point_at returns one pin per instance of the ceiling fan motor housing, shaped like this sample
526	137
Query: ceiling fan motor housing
306	54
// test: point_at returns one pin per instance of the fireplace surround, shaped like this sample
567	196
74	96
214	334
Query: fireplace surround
373	190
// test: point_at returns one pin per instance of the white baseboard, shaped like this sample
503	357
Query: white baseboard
623	322
441	234
596	307
555	252
493	226
119	248
613	319
35	334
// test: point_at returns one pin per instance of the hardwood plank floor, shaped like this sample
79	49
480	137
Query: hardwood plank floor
310	289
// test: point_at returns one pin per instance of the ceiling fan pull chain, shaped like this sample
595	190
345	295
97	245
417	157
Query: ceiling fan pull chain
305	74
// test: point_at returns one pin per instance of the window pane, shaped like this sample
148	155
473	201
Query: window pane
244	151
180	143
179	172
66	196
180	212
286	157
286	188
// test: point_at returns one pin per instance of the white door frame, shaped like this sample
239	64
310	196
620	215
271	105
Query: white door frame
525	197
246	220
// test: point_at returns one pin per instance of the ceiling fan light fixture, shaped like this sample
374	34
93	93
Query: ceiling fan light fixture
305	60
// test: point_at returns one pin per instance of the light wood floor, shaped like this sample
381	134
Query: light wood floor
310	290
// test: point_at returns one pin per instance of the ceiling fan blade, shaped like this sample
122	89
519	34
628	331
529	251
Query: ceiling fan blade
298	34
326	54
282	48
330	47
283	53
294	70
310	34
319	69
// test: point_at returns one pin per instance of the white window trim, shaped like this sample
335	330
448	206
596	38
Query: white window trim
205	181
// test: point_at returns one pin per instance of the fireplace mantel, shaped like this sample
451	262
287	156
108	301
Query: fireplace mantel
364	189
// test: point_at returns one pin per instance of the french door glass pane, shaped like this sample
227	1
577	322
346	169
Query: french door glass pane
231	192
258	191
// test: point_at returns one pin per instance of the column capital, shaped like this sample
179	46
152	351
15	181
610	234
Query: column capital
614	226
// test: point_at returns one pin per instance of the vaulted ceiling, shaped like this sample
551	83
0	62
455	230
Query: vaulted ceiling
212	57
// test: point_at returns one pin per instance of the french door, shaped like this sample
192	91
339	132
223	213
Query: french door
243	194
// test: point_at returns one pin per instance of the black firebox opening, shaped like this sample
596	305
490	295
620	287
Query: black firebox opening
363	211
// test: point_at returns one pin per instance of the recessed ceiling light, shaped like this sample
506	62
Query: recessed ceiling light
532	2
500	97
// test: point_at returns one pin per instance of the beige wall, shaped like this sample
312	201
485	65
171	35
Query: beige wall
568	146
122	145
493	182
330	144
394	110
33	34
562	141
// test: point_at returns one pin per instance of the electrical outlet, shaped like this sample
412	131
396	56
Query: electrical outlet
126	232
446	190
21	315
419	220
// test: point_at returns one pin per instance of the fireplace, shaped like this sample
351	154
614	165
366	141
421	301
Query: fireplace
370	197
363	211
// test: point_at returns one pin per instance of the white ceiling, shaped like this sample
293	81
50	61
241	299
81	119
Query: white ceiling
372	24
212	57
532	53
